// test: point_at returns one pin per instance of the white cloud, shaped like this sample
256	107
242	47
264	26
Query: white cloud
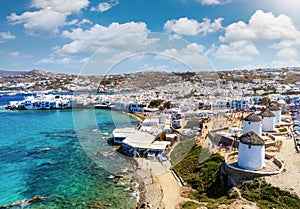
84	21
88	41
104	6
62	60
64	7
289	53
6	36
210	27
283	44
51	60
214	2
147	67
51	15
15	54
118	57
34	22
236	51
262	26
192	56
280	63
185	26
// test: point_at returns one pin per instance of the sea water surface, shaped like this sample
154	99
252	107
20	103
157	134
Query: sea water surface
58	154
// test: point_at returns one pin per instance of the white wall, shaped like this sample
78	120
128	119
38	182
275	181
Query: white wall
251	158
252	126
268	123
277	114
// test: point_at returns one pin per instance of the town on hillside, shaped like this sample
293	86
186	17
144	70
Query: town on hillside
250	118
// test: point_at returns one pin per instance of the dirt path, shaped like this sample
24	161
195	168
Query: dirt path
171	190
288	180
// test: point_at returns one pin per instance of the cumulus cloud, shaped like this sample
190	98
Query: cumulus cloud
49	16
261	26
65	6
104	6
289	53
88	41
185	26
236	51
35	22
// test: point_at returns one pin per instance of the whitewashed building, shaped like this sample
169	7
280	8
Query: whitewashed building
276	110
252	123
268	120
251	152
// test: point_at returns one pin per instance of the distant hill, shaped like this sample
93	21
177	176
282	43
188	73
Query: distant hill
5	73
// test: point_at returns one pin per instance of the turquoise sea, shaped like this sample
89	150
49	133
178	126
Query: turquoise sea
63	156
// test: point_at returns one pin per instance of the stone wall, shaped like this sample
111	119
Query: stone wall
239	175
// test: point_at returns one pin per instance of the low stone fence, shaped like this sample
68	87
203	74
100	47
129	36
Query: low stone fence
274	142
239	175
211	134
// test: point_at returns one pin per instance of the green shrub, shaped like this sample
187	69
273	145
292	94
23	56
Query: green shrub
190	205
268	196
282	130
156	103
202	175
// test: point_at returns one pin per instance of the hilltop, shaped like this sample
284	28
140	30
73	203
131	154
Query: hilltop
252	82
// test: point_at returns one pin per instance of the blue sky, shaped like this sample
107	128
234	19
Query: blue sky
98	36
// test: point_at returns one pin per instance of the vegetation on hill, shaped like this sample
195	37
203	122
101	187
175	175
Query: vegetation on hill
181	150
201	171
155	103
186	76
268	196
190	205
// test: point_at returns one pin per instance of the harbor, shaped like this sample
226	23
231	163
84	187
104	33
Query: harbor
142	150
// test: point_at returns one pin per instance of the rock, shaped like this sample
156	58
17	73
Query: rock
144	205
119	183
35	199
110	177
223	207
233	193
18	202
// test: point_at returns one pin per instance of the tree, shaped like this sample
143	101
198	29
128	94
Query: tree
155	103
